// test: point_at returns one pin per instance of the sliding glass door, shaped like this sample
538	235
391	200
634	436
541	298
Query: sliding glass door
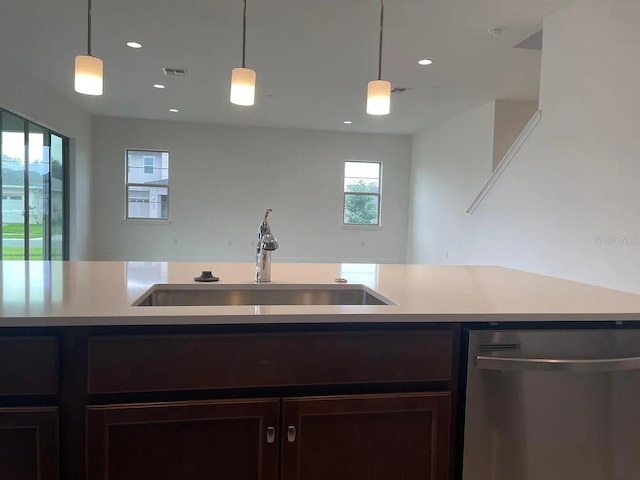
57	197
33	190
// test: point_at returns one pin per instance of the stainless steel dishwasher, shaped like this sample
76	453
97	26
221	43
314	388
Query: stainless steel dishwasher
553	405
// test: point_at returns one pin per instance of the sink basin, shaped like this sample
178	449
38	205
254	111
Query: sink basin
226	295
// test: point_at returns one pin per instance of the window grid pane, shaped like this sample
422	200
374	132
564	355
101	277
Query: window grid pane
361	209
362	169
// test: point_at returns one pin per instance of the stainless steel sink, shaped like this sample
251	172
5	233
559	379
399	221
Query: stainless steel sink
226	295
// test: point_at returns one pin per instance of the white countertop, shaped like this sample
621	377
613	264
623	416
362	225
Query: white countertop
101	293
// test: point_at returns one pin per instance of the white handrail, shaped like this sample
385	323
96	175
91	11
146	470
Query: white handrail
506	160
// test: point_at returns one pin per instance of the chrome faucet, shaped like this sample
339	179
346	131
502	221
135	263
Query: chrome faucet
266	244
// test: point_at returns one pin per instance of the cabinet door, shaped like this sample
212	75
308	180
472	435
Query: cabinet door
373	437
29	443
231	440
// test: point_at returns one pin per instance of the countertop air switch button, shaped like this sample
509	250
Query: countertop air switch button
206	276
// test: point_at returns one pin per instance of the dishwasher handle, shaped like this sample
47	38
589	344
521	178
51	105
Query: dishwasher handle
557	365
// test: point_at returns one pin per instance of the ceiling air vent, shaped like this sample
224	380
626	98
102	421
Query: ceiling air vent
401	89
174	72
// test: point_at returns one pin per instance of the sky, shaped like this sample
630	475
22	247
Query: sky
13	146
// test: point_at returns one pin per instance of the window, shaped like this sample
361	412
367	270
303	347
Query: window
362	193
147	185
148	164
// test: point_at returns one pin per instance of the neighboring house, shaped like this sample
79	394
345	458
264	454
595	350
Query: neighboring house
13	203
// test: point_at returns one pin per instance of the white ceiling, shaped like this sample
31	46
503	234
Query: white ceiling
313	58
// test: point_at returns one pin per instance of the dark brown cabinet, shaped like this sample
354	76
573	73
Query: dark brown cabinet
377	437
190	440
230	402
29	443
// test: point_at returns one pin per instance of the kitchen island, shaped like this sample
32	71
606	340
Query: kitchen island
93	387
102	293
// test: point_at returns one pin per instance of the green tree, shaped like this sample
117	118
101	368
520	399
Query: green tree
12	177
57	170
361	209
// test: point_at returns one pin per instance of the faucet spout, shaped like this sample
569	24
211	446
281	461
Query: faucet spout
266	244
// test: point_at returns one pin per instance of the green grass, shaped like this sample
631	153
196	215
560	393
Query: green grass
17	253
16	230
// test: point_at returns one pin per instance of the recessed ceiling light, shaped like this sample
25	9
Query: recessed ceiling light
347	122
174	110
134	45
425	61
159	85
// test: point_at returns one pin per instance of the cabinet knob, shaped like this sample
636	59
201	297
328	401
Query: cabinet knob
271	434
291	434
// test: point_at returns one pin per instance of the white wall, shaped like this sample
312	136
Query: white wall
450	164
22	94
223	177
568	204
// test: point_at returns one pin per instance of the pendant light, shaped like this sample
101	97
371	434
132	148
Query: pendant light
88	79
243	80
379	91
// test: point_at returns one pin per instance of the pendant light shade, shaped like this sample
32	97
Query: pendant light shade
88	78
379	97
379	91
243	80
243	86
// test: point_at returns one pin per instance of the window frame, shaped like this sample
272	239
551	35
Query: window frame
128	184
378	223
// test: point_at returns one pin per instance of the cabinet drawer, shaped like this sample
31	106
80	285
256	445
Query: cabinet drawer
28	366
185	362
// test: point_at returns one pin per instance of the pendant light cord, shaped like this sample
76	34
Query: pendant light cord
380	49
244	32
89	29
